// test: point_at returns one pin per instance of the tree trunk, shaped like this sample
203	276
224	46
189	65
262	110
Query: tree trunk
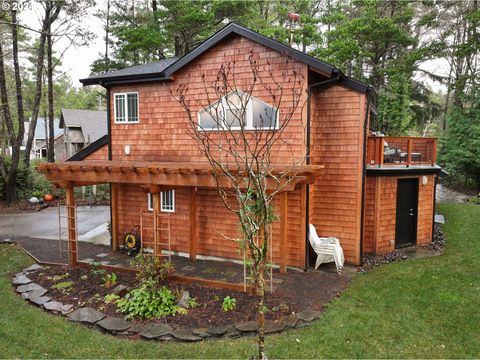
52	9
51	134
261	311
14	139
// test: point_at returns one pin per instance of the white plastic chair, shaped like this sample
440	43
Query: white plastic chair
327	249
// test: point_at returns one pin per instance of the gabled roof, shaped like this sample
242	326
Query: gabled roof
93	123
40	129
155	72
82	154
137	72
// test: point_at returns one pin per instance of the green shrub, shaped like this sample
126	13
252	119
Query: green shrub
110	280
148	302
151	269
229	303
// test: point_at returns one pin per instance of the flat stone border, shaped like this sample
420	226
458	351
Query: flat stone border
38	295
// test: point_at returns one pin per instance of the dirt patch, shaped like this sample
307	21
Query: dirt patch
298	291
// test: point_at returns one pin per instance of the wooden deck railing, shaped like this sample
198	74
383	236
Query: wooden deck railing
403	150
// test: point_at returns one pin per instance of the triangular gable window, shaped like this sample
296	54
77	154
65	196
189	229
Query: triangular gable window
236	111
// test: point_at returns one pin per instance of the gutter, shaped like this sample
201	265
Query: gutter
319	85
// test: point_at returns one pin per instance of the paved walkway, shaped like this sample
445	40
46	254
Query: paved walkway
91	224
447	195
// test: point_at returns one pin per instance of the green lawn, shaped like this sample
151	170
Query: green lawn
427	308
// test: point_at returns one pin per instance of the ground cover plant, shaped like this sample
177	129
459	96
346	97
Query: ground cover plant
424	308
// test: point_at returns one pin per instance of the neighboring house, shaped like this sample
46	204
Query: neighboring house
39	147
81	128
374	193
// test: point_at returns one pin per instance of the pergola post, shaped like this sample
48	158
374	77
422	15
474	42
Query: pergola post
283	231
72	225
114	216
303	223
193	223
156	225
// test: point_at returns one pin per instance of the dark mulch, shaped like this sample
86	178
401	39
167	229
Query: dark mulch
17	207
296	292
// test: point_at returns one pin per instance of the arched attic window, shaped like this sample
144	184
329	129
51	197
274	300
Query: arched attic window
235	109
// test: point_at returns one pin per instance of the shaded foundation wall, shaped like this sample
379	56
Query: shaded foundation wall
380	212
216	227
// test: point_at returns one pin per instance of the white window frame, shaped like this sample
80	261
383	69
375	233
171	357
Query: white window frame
125	109
162	208
223	108
167	209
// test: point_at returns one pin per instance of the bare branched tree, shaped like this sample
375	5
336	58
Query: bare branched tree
240	136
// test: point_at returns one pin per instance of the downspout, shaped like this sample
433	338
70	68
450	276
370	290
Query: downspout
319	85
364	172
434	206
109	145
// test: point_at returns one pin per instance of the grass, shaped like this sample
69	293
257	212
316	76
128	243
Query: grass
426	308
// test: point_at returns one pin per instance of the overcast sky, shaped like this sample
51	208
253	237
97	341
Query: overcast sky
76	61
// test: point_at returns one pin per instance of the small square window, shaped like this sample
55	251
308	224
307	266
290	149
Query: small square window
167	201
126	107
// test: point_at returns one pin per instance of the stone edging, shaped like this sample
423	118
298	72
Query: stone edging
38	295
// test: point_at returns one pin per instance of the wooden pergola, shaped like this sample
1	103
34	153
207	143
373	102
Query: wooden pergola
155	177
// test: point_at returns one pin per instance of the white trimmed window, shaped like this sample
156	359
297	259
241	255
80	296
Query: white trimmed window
236	109
126	107
167	201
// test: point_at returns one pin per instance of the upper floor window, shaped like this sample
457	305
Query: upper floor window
126	107
236	111
167	201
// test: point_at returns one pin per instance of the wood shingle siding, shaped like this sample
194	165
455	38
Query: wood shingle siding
162	134
337	142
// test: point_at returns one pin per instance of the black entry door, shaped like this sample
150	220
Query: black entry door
407	206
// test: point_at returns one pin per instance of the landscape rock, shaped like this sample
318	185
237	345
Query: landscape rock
29	287
273	327
32	268
34	293
53	306
86	315
202	332
114	324
39	300
249	326
7	241
308	315
120	290
153	331
183	302
66	309
21	280
218	330
185	335
33	200
289	321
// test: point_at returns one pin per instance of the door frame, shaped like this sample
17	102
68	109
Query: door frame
415	219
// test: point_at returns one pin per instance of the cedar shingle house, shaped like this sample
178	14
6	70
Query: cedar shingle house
82	128
371	201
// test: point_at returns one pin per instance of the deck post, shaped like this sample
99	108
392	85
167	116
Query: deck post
409	151
283	231
156	224
114	216
303	222
72	225
193	223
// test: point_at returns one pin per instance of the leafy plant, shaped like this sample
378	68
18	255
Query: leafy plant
110	280
95	268
228	303
62	285
192	303
151	269
148	302
110	298
56	278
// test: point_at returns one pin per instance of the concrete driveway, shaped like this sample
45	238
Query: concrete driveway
91	224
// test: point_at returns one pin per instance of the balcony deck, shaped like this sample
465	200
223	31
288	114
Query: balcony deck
401	152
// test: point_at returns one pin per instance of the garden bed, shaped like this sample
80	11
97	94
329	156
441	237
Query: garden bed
299	300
